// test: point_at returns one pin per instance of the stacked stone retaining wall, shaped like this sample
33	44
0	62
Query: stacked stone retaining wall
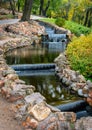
30	107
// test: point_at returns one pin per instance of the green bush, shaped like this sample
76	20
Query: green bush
60	22
8	16
79	53
48	20
76	28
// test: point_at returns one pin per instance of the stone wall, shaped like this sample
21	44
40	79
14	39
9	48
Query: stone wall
59	30
73	79
30	107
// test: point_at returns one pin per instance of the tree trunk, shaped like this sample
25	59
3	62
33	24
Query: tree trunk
18	6
90	18
0	2
41	7
27	10
89	22
86	18
12	7
45	10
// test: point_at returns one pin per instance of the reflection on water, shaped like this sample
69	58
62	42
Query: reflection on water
45	82
50	88
31	55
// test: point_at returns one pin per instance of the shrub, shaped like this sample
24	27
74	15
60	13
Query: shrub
60	22
48	20
76	28
79	53
8	16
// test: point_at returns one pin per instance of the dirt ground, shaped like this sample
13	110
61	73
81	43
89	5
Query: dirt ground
7	121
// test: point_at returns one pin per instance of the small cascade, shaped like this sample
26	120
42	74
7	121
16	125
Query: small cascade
51	40
31	73
74	106
57	45
50	31
56	37
21	67
35	66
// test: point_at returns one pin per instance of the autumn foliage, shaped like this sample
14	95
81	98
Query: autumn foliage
79	53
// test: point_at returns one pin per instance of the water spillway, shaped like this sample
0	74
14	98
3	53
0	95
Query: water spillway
50	31
56	37
30	73
35	66
39	67
79	107
41	75
60	46
75	106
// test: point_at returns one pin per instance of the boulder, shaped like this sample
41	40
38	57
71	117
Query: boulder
34	98
2	83
84	124
40	111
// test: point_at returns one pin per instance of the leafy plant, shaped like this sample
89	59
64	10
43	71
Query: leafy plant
60	22
76	28
8	16
49	20
79	53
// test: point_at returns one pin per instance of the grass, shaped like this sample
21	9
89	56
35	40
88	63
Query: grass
8	16
79	53
49	20
75	28
80	47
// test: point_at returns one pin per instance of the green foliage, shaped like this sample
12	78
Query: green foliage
20	3
79	53
51	14
35	8
77	29
49	20
75	10
60	22
8	16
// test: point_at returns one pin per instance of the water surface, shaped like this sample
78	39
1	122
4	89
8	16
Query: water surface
31	55
45	81
49	86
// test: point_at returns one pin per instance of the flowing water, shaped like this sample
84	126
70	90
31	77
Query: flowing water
44	80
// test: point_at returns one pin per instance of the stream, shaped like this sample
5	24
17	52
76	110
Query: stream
29	64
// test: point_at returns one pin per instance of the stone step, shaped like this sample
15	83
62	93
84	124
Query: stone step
20	67
36	72
74	106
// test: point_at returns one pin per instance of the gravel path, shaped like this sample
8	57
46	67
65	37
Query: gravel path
7	121
12	21
9	21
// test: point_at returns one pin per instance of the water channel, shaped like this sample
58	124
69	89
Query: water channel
44	80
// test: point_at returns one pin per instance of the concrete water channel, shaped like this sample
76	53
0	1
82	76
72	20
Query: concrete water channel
35	65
